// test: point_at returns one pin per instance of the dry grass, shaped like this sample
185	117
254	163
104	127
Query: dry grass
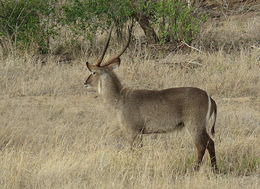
53	134
231	33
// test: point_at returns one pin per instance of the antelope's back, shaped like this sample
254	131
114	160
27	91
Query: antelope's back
165	107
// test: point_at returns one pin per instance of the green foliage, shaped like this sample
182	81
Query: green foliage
28	21
91	15
176	21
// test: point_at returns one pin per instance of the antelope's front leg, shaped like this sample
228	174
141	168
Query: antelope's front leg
134	139
137	141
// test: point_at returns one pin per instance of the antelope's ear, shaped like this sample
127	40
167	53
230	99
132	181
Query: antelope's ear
92	68
114	64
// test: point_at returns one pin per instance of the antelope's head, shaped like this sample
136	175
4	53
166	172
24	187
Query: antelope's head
97	70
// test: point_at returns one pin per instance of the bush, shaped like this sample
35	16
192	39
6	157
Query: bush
25	22
92	15
176	22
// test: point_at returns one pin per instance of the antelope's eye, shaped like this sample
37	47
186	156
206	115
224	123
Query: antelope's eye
93	73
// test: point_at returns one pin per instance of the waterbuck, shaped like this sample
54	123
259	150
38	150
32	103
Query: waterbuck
155	111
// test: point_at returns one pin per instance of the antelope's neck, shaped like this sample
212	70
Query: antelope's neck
109	88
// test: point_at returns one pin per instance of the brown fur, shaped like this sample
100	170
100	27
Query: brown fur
157	111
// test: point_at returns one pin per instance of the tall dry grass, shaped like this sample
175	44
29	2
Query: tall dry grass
54	134
230	32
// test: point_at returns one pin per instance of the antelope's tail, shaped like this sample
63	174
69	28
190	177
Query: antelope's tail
213	112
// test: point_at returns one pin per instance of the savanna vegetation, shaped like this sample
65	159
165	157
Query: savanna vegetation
55	134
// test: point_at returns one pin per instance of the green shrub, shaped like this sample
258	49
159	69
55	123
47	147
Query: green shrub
28	21
176	22
92	15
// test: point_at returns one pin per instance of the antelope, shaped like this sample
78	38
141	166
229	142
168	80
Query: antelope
155	111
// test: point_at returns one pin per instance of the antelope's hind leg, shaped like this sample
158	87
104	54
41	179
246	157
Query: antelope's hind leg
212	154
202	142
201	148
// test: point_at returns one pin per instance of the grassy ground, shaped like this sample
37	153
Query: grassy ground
53	134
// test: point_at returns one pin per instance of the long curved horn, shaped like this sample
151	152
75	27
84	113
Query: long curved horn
123	50
105	49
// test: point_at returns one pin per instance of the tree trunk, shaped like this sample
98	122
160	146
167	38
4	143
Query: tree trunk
149	32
